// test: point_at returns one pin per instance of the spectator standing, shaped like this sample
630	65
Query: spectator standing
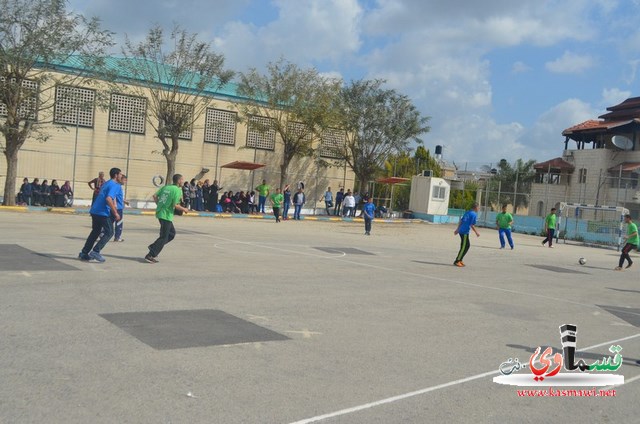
263	191
101	211
120	203
168	201
253	208
328	200
368	213
356	206
95	185
213	196
339	199
349	202
206	194
276	201
298	202
193	189
286	202
186	195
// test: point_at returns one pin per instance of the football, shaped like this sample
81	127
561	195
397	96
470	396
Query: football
582	261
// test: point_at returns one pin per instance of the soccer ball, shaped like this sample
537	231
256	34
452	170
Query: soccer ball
582	261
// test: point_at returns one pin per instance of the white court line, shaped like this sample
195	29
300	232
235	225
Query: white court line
446	280
629	381
434	388
413	274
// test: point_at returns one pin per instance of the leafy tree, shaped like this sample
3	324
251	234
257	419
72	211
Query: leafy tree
180	83
506	177
297	103
464	199
378	123
34	35
405	165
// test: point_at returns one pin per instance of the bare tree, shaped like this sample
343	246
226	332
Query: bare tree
295	102
35	36
181	83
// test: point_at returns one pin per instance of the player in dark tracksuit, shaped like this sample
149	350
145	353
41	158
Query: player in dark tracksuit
466	224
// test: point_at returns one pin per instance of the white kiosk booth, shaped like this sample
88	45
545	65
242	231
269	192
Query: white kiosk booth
429	199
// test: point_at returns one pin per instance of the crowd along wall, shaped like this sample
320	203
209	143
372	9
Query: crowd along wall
100	147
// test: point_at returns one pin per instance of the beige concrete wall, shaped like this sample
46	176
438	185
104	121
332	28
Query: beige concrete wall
100	149
597	162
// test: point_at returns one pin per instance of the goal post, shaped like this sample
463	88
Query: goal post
592	224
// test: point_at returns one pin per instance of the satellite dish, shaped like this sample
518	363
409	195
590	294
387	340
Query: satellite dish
622	142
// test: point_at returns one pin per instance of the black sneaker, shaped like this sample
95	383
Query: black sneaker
150	259
84	257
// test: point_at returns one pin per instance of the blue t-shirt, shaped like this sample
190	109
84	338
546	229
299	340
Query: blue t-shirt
369	209
109	189
120	200
287	196
468	219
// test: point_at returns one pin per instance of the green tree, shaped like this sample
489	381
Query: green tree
298	104
507	176
34	35
406	165
378	123
180	83
464	199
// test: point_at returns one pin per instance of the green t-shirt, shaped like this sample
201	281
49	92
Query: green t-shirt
504	220
551	221
277	200
263	189
168	197
633	228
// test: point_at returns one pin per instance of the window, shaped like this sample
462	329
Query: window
260	134
180	113
74	106
220	127
127	113
29	105
332	144
439	193
582	176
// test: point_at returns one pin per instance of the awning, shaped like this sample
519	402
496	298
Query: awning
392	180
245	166
626	167
554	164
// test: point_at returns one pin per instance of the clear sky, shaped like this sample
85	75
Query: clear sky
499	78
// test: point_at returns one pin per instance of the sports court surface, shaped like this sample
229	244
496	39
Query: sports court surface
248	321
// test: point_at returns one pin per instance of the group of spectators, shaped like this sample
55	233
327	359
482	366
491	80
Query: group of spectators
35	193
348	204
202	196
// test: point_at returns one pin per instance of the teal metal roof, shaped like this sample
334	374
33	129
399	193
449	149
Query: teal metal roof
121	71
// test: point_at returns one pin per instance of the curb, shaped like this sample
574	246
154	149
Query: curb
148	212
